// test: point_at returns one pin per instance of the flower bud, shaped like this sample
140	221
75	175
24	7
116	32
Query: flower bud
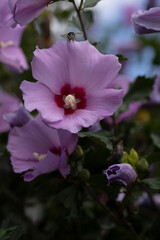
131	158
120	173
125	157
84	175
142	165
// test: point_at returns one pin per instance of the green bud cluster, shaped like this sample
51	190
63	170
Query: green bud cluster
139	164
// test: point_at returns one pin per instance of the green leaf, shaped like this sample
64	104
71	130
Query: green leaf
121	58
90	3
139	90
153	183
12	233
67	197
156	140
104	136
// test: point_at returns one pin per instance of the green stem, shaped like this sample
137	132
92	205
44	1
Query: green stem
117	220
80	18
105	208
146	189
80	6
127	195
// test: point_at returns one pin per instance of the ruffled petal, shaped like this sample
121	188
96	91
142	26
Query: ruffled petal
48	164
38	96
18	118
74	122
68	140
89	68
31	138
13	35
26	11
120	82
50	66
105	103
20	165
146	21
14	59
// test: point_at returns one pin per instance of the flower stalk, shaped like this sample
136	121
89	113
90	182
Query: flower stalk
80	17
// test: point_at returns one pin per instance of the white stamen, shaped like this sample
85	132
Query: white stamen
39	157
71	101
7	44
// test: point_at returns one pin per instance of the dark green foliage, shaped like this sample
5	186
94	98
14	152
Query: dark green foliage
90	3
102	135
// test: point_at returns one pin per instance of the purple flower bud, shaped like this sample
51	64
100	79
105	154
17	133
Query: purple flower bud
18	118
120	173
8	104
151	4
146	21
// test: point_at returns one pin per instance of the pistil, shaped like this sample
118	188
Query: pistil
70	101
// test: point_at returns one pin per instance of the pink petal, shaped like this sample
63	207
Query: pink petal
14	59
38	96
89	68
146	21
74	122
48	164
105	103
26	10
50	66
120	82
8	33
32	137
20	165
68	140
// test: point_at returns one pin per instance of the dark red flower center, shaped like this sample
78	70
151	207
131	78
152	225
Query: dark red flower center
71	99
56	151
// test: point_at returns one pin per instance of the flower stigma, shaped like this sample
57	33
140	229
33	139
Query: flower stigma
70	101
39	157
7	44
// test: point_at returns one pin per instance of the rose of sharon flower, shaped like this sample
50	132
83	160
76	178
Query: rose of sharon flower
37	149
74	85
8	104
5	12
146	21
122	173
26	10
10	52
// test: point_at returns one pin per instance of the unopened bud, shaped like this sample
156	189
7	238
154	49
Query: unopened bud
133	157
142	165
125	157
84	175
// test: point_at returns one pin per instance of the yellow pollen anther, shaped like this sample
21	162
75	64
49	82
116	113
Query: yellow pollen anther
71	101
39	157
7	44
